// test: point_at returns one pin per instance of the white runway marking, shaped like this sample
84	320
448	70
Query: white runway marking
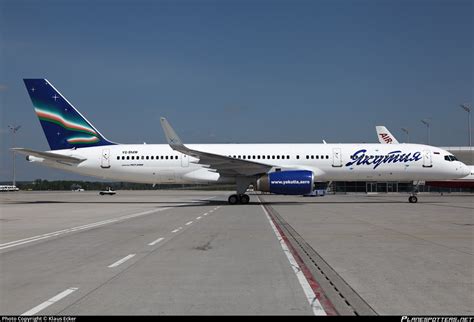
78	228
198	217
189	223
308	291
209	198
52	300
121	261
205	214
177	229
155	241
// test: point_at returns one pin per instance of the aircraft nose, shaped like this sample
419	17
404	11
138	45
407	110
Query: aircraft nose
463	169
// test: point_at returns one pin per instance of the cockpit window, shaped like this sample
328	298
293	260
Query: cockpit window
450	158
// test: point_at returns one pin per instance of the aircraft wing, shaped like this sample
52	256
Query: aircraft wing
222	164
384	135
50	156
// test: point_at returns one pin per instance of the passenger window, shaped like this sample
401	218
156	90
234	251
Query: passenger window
268	157
123	158
118	158
152	157
263	157
128	157
258	157
273	157
297	157
147	157
312	157
327	156
166	157
144	157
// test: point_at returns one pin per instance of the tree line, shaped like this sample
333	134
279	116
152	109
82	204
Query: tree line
41	184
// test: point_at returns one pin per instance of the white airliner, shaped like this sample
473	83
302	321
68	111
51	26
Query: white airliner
291	169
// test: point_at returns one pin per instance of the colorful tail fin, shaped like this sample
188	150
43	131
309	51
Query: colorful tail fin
63	125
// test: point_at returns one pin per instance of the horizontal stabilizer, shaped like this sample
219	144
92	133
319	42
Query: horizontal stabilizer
49	155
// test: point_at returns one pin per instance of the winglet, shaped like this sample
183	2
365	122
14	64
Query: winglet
173	139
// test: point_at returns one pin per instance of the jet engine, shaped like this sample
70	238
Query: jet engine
291	182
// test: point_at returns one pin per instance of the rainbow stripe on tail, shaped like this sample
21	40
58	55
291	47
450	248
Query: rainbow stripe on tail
63	125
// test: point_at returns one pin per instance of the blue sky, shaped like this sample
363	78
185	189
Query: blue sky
239	71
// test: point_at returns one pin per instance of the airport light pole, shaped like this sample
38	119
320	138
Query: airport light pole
425	122
408	136
13	130
468	110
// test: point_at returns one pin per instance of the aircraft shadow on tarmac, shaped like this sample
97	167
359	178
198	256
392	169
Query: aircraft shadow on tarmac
203	203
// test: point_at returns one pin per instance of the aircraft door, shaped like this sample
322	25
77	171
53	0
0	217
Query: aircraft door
336	157
184	161
427	160
105	160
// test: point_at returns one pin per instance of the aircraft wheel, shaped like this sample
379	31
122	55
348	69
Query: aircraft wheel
233	199
244	199
412	199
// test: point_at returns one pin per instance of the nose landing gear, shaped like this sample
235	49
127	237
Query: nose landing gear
412	199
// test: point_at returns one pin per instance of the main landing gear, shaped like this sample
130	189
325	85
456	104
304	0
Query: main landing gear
242	198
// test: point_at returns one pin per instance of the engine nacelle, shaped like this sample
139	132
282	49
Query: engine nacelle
292	182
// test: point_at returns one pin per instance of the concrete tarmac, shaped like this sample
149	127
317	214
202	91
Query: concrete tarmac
188	252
